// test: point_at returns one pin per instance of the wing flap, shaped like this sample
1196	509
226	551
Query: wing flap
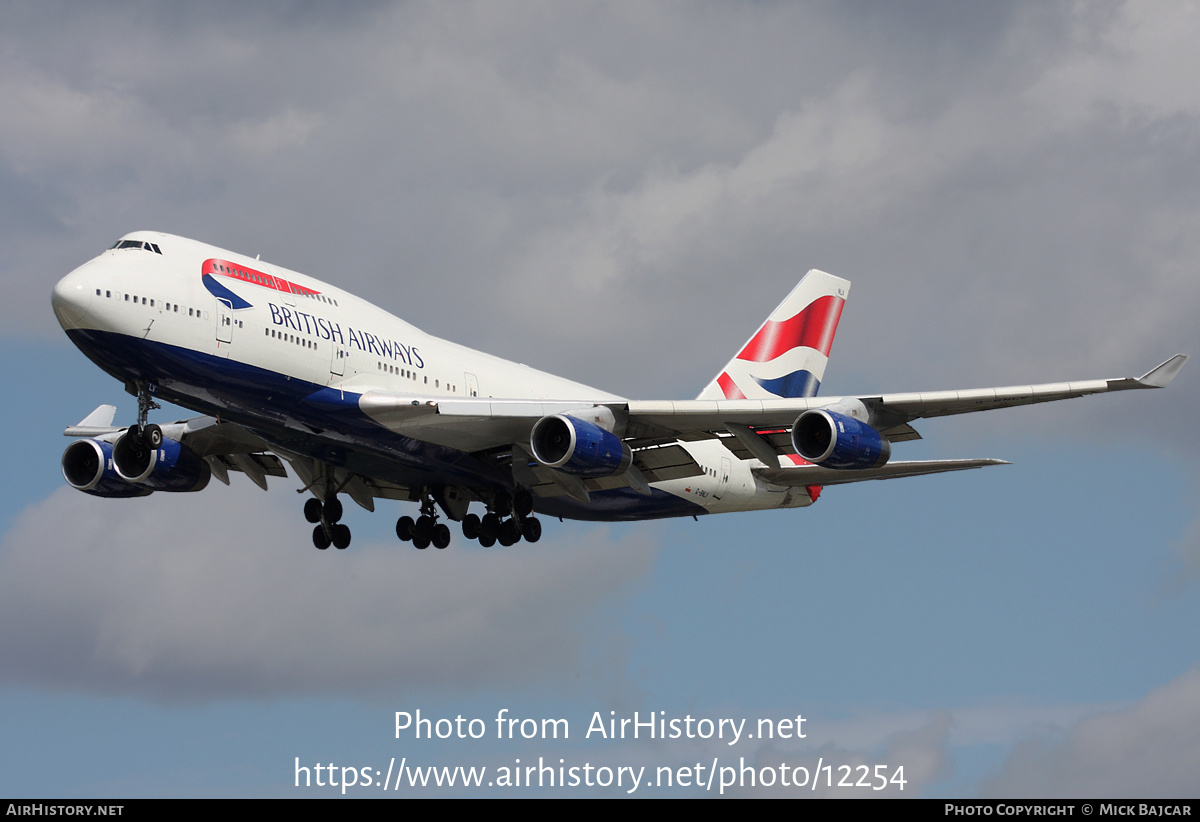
804	475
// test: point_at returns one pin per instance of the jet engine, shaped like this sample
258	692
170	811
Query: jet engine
577	447
87	466
170	467
834	440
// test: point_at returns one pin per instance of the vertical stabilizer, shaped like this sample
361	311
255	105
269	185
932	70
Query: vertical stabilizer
786	357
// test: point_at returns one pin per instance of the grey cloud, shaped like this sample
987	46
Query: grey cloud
915	757
177	597
644	182
1149	749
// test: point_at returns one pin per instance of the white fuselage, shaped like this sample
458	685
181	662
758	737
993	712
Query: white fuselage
229	326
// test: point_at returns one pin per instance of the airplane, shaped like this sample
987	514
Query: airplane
286	369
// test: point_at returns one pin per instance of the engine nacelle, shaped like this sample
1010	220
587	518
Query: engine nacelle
87	466
577	447
834	440
170	467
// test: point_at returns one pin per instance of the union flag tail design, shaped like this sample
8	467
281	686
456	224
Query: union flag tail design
787	356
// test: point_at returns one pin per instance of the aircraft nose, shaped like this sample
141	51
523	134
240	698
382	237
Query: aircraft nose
71	299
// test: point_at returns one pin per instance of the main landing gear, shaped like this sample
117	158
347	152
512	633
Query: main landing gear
425	529
508	520
329	530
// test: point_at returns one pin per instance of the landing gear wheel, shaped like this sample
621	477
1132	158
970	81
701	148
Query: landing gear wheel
152	437
320	538
510	533
486	541
531	529
490	527
441	536
471	526
312	510
523	503
423	530
136	444
341	537
404	528
333	510
421	543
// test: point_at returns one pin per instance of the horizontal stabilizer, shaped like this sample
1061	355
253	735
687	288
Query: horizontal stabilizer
816	475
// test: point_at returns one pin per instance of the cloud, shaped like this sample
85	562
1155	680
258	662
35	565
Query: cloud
1017	181
908	762
1149	749
222	595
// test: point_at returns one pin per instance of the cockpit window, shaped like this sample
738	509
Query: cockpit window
138	244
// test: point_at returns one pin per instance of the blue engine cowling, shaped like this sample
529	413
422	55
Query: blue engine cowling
87	465
170	467
577	447
834	440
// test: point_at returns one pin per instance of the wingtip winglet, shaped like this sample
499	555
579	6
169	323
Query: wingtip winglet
1161	376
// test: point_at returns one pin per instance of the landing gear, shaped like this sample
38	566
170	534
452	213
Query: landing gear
520	522
143	438
426	530
508	520
326	516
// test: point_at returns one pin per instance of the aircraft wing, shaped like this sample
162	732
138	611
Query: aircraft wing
749	427
889	412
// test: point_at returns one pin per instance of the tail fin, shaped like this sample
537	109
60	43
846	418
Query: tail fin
787	356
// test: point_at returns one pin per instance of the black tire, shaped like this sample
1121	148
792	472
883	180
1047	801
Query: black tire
420	543
312	509
404	528
333	510
320	538
471	526
531	529
510	533
441	536
486	541
152	437
341	537
490	527
523	502
423	529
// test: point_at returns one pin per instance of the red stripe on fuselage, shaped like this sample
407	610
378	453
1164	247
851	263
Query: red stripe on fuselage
812	327
224	268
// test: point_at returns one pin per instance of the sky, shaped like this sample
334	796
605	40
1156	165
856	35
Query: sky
619	193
